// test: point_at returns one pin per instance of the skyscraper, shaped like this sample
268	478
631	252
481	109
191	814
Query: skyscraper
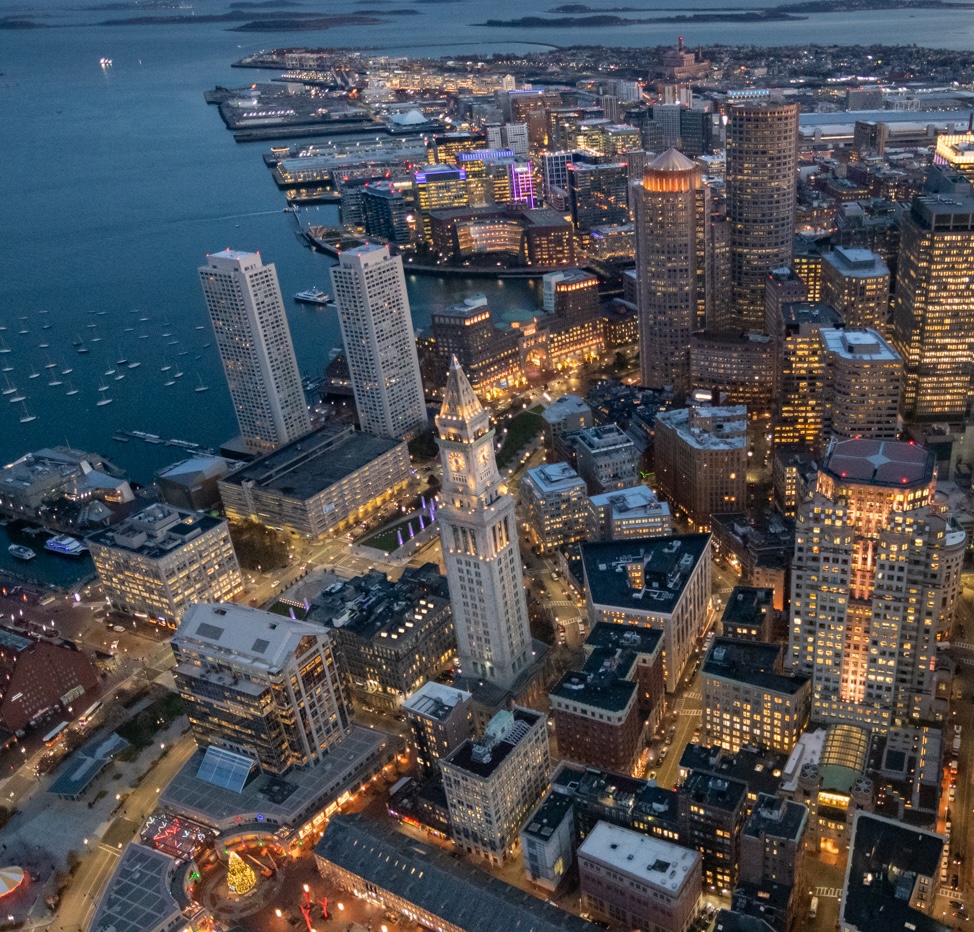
933	310
762	167
478	530
672	207
245	305
875	577
377	330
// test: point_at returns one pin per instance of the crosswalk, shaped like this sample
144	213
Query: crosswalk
834	893
563	604
962	645
693	694
696	712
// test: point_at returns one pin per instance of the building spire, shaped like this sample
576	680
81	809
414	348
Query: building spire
459	400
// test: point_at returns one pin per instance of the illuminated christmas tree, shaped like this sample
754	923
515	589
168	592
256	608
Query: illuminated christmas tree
240	876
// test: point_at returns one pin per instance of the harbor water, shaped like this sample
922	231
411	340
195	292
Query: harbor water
118	180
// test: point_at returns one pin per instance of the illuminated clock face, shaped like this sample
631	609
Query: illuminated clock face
484	456
456	462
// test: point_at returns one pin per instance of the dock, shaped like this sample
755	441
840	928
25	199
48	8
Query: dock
124	436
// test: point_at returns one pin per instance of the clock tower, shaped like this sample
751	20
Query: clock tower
478	531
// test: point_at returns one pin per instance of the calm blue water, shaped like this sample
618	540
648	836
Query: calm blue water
116	183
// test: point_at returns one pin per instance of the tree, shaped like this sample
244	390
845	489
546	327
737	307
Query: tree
258	546
240	875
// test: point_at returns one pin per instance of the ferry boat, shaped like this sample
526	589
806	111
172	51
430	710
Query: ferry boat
21	552
313	296
65	545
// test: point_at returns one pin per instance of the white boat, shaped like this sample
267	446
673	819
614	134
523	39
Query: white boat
201	387
65	545
313	296
71	390
11	389
21	552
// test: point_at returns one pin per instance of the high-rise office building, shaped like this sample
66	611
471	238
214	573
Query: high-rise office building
261	685
672	209
762	174
247	312
597	193
856	283
801	372
864	382
933	310
377	330
478	530
874	579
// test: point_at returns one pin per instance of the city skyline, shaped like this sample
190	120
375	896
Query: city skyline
661	620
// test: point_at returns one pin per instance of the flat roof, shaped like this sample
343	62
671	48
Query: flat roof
860	344
555	477
435	701
461	895
779	818
885	858
716	791
610	636
85	764
273	801
636	501
601	690
748	605
856	263
758	768
795	313
750	662
243	634
727	429
880	462
661	569
563	406
544	821
470	756
652	860
307	466
156	531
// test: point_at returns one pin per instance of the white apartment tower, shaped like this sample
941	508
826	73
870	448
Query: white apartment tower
478	531
244	300
377	330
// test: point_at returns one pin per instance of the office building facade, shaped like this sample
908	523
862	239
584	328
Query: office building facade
856	283
244	301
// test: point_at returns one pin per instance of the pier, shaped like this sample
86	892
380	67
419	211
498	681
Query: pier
124	436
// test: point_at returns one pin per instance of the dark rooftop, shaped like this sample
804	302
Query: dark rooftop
797	313
759	769
730	921
880	462
372	606
885	859
601	683
627	798
748	605
626	637
751	662
307	466
459	894
779	818
717	792
484	756
544	822
647	575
